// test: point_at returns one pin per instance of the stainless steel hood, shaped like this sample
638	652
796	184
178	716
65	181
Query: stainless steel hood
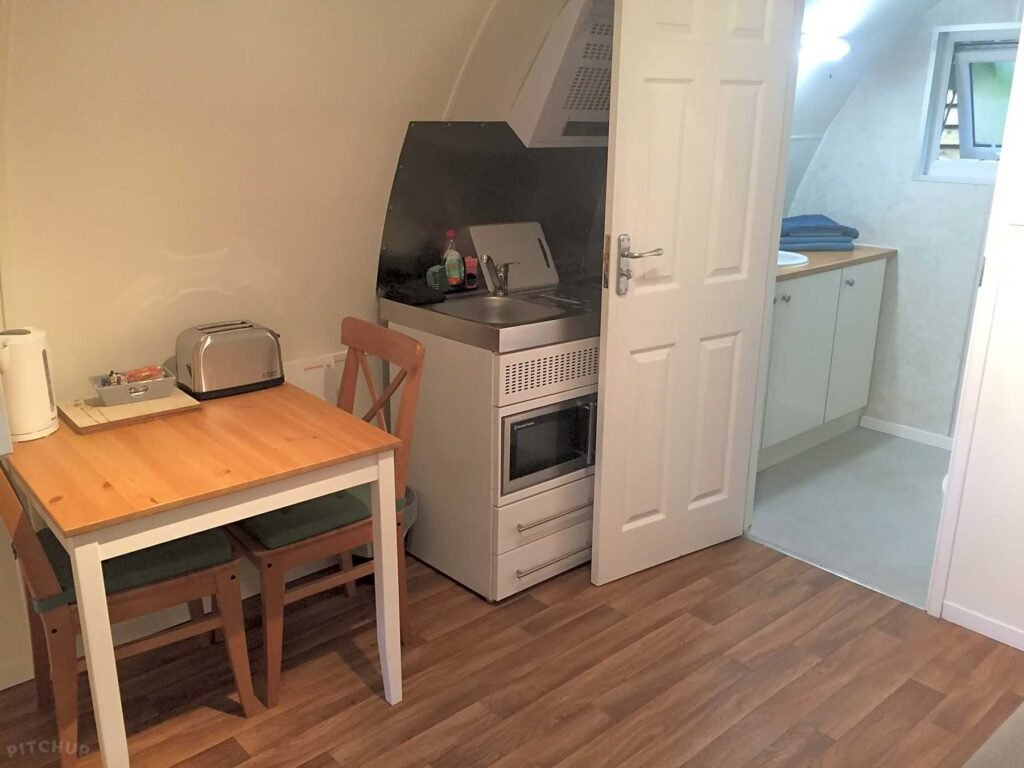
566	97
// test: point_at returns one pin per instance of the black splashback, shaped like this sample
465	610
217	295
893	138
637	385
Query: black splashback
452	175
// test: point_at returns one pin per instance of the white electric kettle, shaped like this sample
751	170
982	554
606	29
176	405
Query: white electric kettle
27	387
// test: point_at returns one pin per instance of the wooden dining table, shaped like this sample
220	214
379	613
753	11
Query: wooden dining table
127	488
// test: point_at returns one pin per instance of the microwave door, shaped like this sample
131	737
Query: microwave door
546	443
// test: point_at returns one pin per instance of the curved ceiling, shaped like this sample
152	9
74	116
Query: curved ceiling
871	27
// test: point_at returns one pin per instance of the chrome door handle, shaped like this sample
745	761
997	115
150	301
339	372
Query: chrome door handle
524	527
626	254
645	254
549	563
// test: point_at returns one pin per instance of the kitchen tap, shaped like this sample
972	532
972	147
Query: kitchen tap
497	274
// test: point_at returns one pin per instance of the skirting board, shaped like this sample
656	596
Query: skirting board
908	433
983	625
805	441
14	672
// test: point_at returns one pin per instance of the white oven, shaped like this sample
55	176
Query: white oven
546	441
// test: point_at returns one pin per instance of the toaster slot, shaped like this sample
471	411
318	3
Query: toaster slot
236	325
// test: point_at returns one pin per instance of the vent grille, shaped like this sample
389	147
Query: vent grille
598	29
598	51
590	89
542	372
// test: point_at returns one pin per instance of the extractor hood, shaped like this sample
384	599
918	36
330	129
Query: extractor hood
566	97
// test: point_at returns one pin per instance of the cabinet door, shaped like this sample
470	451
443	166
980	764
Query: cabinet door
803	325
853	354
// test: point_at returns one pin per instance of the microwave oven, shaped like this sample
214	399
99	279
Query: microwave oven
548	442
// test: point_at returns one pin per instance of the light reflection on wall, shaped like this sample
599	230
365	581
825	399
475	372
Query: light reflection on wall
826	25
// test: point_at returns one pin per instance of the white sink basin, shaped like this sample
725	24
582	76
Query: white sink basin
790	259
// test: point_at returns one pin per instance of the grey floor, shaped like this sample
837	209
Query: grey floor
1005	747
864	505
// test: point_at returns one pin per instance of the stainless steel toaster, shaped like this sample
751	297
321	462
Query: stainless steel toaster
221	359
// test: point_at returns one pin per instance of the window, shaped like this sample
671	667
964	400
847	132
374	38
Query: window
968	98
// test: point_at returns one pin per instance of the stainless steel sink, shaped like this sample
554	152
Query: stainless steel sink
498	310
503	324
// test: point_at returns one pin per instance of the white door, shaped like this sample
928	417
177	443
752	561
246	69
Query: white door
701	98
978	575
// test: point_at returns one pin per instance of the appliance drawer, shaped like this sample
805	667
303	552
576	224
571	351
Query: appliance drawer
542	559
543	514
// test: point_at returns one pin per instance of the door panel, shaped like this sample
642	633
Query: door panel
716	396
750	17
853	356
701	95
651	372
803	329
734	176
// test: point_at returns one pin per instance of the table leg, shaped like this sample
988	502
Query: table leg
99	655
385	577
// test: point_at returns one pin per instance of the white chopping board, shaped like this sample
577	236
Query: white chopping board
523	242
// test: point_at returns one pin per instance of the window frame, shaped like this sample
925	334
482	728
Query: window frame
931	166
962	63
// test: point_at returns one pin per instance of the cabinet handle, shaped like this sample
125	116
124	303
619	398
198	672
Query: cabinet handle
851	282
524	527
549	563
787	298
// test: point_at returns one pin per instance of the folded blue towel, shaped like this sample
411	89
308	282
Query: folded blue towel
816	239
816	224
847	246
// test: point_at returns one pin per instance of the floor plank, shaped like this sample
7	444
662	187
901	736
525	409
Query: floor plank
734	657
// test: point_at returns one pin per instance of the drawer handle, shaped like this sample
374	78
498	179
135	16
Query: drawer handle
524	527
549	563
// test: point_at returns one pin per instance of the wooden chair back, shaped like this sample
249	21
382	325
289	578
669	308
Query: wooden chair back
402	352
35	565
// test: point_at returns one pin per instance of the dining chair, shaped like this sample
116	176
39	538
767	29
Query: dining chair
178	572
334	525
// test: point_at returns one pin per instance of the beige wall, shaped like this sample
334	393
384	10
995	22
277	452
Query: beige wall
176	163
501	57
169	163
15	654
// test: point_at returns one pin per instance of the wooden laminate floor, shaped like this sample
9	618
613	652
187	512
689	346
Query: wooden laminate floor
735	656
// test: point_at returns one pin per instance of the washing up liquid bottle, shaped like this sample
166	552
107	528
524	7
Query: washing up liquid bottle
454	266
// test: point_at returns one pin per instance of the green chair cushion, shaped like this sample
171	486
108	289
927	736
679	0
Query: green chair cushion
311	518
136	569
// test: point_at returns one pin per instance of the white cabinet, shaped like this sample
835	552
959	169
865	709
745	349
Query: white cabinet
468	527
853	354
822	350
803	327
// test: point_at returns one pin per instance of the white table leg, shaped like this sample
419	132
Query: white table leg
385	576
99	655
